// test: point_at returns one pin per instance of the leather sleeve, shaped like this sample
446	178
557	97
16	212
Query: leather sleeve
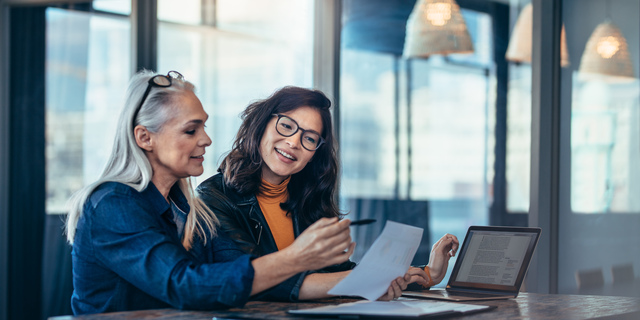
231	223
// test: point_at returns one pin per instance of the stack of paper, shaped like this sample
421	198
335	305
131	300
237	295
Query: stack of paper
395	309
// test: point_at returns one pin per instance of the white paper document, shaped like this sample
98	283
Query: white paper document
388	258
397	308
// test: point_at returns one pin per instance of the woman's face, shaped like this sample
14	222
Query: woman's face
284	156
177	149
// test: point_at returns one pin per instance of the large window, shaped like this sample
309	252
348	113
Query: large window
417	134
599	169
243	56
87	70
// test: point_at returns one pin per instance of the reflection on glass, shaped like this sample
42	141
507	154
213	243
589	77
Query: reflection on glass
87	68
604	146
258	47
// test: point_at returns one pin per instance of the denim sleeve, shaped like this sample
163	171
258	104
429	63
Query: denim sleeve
132	242
288	290
225	249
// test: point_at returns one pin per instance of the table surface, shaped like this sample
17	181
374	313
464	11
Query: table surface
526	306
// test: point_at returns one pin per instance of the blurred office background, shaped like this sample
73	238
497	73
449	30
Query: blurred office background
530	118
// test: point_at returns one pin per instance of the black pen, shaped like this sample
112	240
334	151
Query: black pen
362	222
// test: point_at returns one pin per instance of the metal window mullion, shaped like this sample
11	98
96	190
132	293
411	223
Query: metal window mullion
326	54
209	13
144	34
4	162
545	143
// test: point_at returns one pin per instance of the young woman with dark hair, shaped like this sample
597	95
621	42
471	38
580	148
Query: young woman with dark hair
313	184
281	176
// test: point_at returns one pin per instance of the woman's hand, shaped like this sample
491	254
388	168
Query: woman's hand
417	275
324	243
441	252
395	288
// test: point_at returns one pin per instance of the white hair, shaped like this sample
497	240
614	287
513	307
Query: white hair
129	165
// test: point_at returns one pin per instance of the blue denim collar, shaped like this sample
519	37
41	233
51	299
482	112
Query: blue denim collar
178	198
160	204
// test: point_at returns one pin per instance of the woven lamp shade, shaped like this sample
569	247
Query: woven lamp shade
519	49
606	53
436	27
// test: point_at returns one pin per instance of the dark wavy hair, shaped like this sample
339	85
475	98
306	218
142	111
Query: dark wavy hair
312	190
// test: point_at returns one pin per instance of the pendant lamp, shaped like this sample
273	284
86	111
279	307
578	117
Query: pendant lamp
519	49
436	27
606	53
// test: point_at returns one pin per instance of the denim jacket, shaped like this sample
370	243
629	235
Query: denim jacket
127	255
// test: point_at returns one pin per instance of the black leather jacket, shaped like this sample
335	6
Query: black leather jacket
242	220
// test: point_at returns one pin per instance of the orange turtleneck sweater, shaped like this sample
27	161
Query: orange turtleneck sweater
269	197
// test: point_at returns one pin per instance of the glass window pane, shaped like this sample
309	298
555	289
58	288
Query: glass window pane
367	140
518	161
599	174
452	126
231	69
413	148
114	6
604	146
87	69
183	11
518	143
277	20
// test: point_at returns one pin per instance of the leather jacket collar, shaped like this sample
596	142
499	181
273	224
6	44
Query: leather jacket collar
240	216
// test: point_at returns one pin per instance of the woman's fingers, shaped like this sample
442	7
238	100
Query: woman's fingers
451	244
324	243
397	291
389	295
322	222
396	287
445	248
406	281
417	275
454	244
330	226
341	256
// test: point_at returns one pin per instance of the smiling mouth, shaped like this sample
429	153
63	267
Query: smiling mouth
286	155
198	157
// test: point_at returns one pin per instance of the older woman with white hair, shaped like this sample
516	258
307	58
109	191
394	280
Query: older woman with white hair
142	240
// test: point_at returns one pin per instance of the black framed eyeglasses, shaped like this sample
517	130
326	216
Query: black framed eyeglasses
161	81
287	127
